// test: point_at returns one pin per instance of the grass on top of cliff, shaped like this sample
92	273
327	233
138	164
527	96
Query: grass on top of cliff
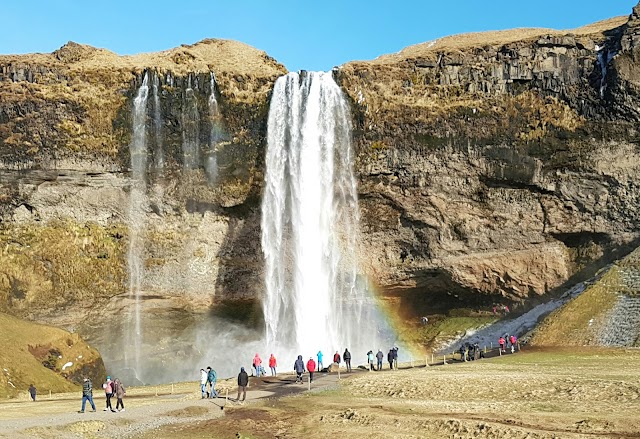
31	353
496	38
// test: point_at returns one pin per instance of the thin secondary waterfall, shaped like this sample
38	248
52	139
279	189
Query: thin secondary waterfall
215	134
310	223
190	129
158	152
137	213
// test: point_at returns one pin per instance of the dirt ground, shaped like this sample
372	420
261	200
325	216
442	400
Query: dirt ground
552	393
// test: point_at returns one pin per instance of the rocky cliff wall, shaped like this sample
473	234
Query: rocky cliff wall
497	167
65	184
492	167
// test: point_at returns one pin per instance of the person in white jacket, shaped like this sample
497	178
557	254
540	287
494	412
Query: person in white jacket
203	383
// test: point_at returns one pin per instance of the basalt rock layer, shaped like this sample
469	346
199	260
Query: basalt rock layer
497	167
492	167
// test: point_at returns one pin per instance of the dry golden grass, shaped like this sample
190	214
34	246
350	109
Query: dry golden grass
491	38
46	266
540	394
20	367
576	323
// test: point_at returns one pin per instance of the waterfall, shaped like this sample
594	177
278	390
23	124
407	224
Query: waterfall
137	210
314	299
215	134
604	58
158	152
190	129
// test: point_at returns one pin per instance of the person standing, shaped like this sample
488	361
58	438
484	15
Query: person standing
320	365
390	358
379	357
501	343
370	360
203	383
298	366
347	359
311	367
32	392
87	395
336	358
395	357
272	365
119	391
108	391
243	382
257	364
212	377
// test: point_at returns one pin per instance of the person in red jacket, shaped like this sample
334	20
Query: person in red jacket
272	365
311	366
501	343
336	358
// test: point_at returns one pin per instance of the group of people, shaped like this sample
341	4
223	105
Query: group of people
208	377
392	358
470	352
259	370
111	389
507	341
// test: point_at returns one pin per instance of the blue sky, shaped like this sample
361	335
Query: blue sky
301	35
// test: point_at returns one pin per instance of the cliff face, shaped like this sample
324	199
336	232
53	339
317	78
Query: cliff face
497	166
66	185
492	167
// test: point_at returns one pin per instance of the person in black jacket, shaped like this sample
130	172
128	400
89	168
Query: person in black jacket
298	366
87	395
243	382
390	358
347	359
32	392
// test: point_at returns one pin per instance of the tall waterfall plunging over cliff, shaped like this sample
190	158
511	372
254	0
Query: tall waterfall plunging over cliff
314	299
137	213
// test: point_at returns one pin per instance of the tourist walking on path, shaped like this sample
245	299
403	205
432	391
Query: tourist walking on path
298	367
501	343
320	365
379	357
336	358
390	358
347	359
272	364
108	391
243	382
370	360
87	395
203	382
311	366
32	392
257	364
212	377
513	340
119	391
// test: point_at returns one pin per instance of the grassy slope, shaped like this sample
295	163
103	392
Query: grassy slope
576	322
20	367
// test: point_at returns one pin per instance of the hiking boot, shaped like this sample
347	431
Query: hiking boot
81	411
105	409
122	410
92	411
